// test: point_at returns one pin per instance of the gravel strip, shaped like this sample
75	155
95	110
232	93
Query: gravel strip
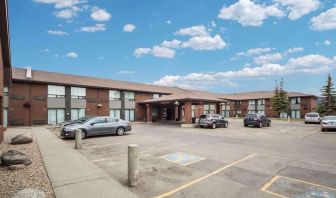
32	176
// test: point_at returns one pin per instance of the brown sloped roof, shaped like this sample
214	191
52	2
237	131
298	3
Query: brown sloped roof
19	74
184	95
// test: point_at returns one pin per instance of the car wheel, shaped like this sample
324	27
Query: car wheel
201	126
323	129
214	125
306	122
83	134
226	125
260	125
120	131
245	125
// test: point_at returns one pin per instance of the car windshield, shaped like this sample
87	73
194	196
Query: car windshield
251	116
330	118
313	115
203	116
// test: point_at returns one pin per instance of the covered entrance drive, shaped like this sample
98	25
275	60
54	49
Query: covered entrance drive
181	108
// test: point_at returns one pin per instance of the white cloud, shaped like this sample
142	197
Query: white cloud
57	32
248	13
327	42
61	3
141	51
168	22
66	13
251	52
297	8
294	50
95	28
126	72
268	58
156	51
325	21
162	52
72	55
213	24
198	30
172	44
100	14
129	28
309	64
205	43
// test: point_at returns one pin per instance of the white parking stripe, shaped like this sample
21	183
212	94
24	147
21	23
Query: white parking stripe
104	145
309	134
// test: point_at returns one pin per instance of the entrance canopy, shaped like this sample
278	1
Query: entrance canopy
183	106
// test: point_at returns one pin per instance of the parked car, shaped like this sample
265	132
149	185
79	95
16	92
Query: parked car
79	120
255	119
312	118
213	121
328	122
98	125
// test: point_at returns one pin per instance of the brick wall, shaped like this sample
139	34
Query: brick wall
38	104
140	109
103	98
308	104
18	114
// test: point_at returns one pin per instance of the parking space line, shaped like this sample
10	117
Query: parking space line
147	151
268	184
204	177
104	145
305	135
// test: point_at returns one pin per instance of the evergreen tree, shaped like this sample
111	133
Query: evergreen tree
280	98
328	102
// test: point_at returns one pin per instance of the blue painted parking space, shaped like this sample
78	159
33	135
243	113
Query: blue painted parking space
182	159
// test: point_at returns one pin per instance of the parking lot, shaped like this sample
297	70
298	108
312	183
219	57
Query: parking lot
285	160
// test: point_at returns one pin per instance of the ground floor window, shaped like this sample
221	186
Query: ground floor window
193	111
226	113
252	111
295	114
5	117
77	113
115	113
283	115
261	112
56	116
129	114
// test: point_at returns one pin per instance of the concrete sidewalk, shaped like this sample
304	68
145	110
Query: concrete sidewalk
71	174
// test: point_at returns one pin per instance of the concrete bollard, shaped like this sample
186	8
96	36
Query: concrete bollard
288	119
78	139
133	165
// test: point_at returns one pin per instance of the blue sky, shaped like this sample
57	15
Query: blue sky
217	45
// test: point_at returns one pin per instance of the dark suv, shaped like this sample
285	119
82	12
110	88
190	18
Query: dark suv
255	119
213	121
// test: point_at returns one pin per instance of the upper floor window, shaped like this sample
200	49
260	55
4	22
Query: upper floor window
5	91
251	102
295	100
78	92
238	102
129	96
114	95
56	91
261	102
155	96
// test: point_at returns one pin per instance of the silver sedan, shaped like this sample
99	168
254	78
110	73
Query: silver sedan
328	122
98	125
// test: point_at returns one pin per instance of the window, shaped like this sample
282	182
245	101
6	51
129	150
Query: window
261	112
251	102
5	91
261	102
225	113
238	102
5	117
56	91
155	96
55	116
129	114
251	111
295	114
77	113
78	92
209	108
115	113
129	96
112	120
295	100
193	112
114	95
99	121
283	115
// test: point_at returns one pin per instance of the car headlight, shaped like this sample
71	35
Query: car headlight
69	129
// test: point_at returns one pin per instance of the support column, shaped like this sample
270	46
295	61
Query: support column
148	113
187	113
176	113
